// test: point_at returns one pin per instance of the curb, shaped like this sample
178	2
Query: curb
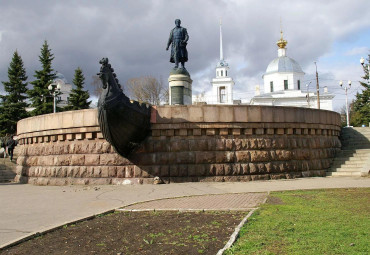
235	235
186	210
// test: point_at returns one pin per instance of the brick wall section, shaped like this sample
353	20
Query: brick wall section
187	143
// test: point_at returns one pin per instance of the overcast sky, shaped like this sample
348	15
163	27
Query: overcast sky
133	35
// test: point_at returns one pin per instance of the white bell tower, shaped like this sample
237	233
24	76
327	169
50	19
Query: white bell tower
222	84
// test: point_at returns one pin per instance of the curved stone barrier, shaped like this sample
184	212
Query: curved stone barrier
187	143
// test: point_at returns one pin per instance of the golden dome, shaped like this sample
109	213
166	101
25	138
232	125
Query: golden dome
281	43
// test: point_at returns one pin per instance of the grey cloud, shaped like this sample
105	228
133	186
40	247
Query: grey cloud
133	34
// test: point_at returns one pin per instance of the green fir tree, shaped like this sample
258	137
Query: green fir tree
39	95
361	105
78	99
13	103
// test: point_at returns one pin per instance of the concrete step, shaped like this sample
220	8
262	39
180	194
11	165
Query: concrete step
364	132
6	162
7	174
6	180
359	139
344	135
345	169
351	159
342	174
338	162
359	134
348	165
354	147
7	166
355	140
347	134
354	152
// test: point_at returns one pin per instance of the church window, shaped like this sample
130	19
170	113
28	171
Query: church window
222	95
225	72
222	73
285	84
299	84
271	86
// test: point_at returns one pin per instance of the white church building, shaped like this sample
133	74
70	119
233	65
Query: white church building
222	84
283	84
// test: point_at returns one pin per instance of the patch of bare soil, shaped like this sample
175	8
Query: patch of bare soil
138	233
274	201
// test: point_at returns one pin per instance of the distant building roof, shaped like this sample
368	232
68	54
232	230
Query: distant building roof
60	76
283	64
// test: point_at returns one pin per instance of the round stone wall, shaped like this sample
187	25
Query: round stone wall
187	143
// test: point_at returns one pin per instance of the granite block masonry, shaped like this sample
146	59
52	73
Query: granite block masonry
186	143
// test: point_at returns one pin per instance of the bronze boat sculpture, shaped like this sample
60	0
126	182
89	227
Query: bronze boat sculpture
123	123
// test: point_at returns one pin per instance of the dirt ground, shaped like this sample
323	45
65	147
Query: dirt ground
138	233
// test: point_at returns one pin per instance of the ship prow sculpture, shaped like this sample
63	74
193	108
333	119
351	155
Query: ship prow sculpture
123	123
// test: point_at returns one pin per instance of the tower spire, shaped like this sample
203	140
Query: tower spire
221	49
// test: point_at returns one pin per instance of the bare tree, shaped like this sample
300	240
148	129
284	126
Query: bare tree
148	89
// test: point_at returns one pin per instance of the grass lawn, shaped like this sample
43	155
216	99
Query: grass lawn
334	221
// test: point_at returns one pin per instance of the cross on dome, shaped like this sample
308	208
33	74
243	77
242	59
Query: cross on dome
281	43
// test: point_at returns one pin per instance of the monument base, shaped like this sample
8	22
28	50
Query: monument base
180	90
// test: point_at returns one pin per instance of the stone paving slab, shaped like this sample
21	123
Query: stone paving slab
244	201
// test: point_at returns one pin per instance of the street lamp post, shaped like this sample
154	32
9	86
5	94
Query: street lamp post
346	89
54	89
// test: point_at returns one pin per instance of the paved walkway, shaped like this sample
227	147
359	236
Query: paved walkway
241	201
25	209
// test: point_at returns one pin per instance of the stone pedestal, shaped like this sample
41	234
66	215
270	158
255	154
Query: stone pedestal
180	91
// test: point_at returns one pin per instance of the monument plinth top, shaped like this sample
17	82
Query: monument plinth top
181	70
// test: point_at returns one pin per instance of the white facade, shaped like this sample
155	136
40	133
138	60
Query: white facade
283	84
296	98
222	85
65	90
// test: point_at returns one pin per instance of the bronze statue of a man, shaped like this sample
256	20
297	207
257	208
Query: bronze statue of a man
178	38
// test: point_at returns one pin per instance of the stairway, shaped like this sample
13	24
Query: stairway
354	158
8	168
